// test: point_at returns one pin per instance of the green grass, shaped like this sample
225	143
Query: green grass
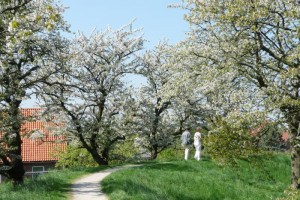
50	186
169	180
192	180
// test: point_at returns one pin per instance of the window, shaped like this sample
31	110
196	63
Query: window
36	170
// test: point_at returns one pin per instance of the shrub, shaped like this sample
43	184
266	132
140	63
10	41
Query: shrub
124	151
75	157
227	142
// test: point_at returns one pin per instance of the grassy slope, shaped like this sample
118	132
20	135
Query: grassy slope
192	180
51	186
182	180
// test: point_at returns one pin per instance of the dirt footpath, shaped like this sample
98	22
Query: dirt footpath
88	187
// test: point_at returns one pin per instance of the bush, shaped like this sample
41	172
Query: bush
290	194
75	157
124	151
227	142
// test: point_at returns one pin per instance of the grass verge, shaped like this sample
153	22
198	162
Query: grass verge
54	185
193	180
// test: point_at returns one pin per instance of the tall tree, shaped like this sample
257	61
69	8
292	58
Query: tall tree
28	45
259	41
152	119
92	94
163	111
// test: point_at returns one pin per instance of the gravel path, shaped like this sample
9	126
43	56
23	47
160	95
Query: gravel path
88	187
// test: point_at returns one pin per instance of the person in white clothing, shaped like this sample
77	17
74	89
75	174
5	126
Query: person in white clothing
197	143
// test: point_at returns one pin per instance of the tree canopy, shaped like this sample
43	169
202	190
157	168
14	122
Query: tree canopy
29	44
90	94
258	41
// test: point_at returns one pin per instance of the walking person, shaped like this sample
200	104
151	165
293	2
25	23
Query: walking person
197	143
186	142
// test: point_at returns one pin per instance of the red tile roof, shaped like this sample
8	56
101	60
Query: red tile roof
41	149
31	112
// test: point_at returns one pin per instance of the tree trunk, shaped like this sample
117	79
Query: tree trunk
91	149
153	134
295	163
16	173
154	152
100	160
295	150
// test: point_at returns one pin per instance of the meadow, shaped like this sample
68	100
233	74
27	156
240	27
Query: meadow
51	186
169	178
194	180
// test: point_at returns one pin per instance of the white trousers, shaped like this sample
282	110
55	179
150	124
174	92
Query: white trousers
186	152
198	152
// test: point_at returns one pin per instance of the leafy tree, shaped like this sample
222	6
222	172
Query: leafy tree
152	118
91	94
258	40
30	40
162	112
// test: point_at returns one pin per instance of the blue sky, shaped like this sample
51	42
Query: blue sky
157	20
